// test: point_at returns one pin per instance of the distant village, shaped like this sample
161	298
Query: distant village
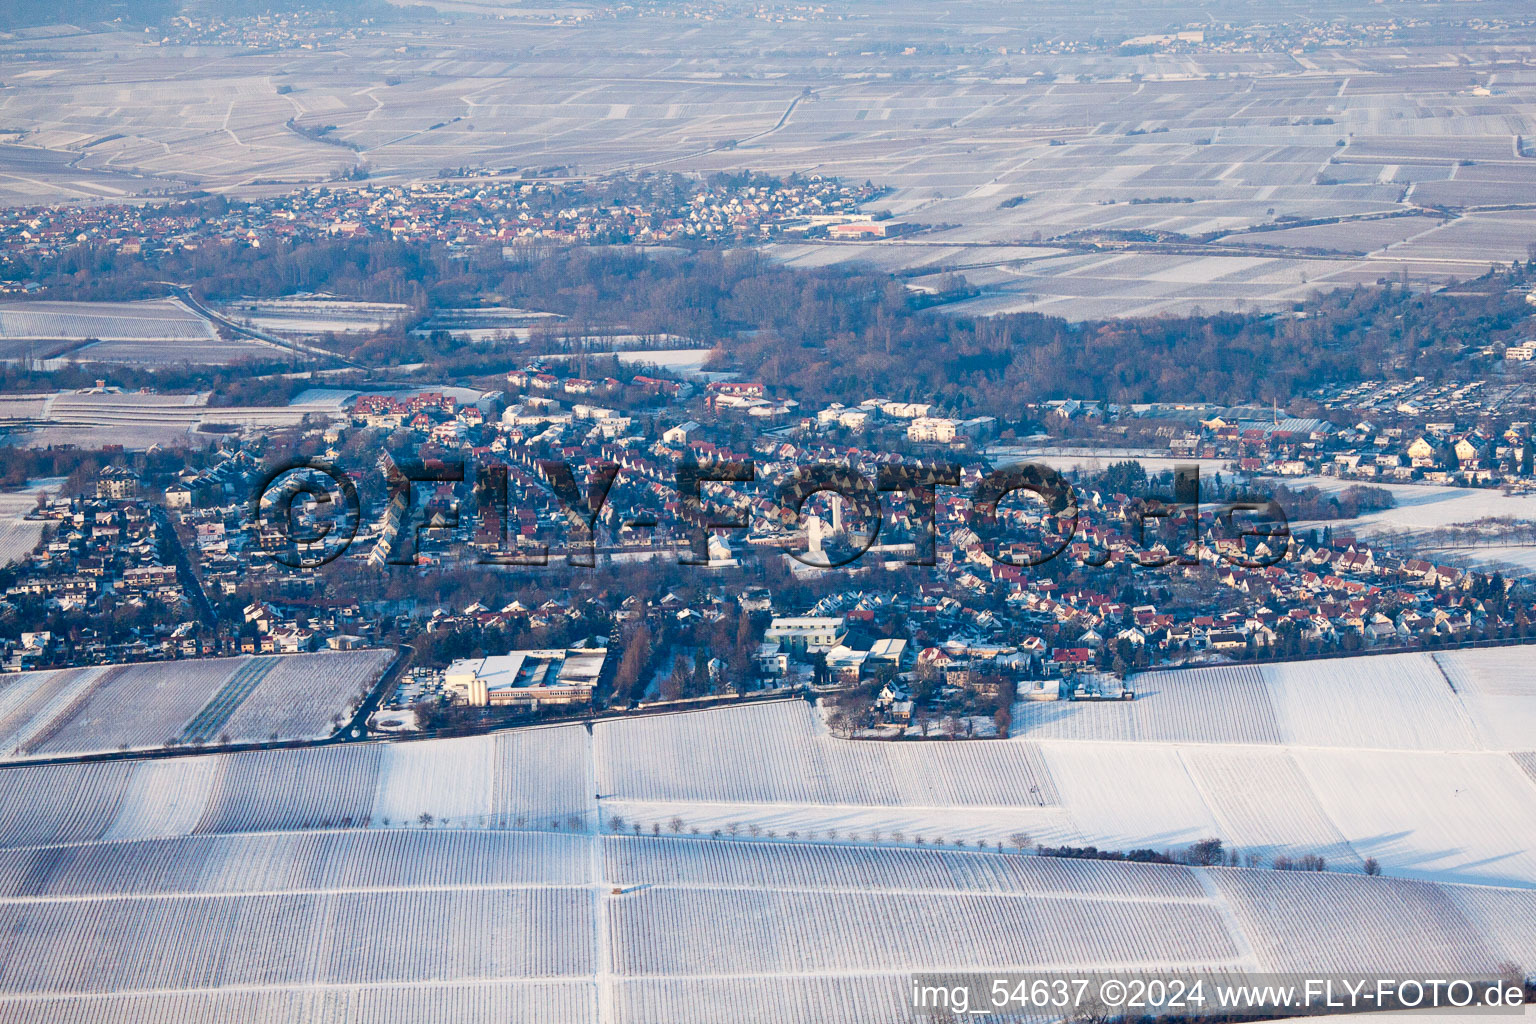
475	210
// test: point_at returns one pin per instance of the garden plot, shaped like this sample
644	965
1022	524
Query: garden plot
1451	817
154	354
1507	917
1356	236
369	922
19	535
533	778
326	787
1527	762
133	707
166	797
31	702
60	803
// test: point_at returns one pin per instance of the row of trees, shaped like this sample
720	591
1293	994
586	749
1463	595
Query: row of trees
826	334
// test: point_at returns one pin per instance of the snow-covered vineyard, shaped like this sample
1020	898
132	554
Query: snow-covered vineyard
1457	700
159	320
653	870
429	925
155	704
1443	808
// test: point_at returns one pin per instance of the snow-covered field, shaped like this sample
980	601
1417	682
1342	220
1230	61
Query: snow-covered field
1364	757
152	320
1422	506
466	925
310	316
154	704
1467	700
491	878
19	536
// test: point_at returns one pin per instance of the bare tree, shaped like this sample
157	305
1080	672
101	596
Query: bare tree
1021	841
1205	853
676	825
1372	866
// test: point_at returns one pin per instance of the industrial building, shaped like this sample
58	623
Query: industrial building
532	678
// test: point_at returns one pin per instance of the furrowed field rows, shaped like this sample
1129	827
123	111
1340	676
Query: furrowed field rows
1461	817
661	931
1265	806
136	707
1128	795
1527	762
327	787
127	321
745	864
154	704
61	803
18	539
772	925
1318	921
1507	917
282	862
178	942
1216	705
305	695
1465	700
37	699
1499	692
554	1002
165	798
1398	701
778	753
205	725
535	778
776	999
